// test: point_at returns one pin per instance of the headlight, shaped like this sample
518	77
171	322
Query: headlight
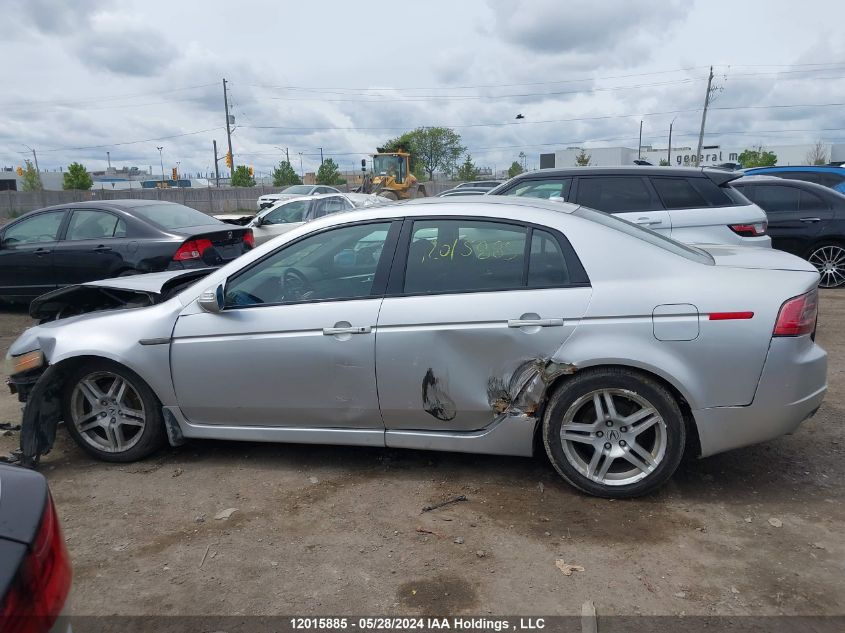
24	362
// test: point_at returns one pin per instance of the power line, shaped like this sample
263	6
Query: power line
146	140
100	99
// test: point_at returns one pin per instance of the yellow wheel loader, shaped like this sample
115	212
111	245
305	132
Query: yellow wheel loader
392	177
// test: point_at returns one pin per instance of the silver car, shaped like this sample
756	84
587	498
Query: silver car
473	324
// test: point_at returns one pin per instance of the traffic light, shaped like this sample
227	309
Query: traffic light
251	171
19	171
174	173
229	160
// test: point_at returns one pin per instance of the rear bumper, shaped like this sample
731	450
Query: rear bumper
791	389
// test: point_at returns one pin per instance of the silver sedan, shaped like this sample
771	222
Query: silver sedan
473	324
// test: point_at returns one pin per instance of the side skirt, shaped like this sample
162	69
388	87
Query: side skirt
508	435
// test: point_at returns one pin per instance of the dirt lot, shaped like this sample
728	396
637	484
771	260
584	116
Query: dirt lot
329	530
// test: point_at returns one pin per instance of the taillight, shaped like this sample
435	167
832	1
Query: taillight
192	249
798	315
249	238
749	230
38	593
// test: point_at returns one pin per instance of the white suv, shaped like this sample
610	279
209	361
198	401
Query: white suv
689	204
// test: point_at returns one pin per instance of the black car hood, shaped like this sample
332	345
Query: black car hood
135	291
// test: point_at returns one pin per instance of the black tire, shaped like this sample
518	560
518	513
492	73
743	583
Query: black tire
149	438
575	396
828	253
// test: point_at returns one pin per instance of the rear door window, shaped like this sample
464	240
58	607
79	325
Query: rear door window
777	198
827	179
90	224
678	193
546	263
616	194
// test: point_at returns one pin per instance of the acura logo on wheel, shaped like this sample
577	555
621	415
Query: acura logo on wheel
613	435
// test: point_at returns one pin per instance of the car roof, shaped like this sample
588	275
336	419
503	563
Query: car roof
830	169
752	179
115	205
714	173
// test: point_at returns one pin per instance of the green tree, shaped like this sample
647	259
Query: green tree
583	159
467	171
432	149
284	175
241	177
515	169
757	158
328	174
31	178
77	177
664	162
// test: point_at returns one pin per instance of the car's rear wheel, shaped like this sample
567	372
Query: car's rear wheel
614	432
111	413
829	260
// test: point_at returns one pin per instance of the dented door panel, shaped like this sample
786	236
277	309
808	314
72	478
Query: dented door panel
453	362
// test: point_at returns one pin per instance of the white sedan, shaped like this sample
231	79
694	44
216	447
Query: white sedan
286	215
294	191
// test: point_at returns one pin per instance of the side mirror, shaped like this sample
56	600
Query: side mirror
257	221
212	300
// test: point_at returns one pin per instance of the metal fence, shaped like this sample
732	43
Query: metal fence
207	200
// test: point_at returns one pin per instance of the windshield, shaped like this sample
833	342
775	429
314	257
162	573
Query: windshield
647	235
298	189
384	165
167	215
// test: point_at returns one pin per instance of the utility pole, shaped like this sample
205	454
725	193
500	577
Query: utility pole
640	145
301	172
161	160
704	118
108	158
228	129
321	155
216	167
287	155
669	149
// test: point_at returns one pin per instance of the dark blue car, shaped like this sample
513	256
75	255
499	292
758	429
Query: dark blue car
829	176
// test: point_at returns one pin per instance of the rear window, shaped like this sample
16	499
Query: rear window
716	196
825	178
167	215
678	193
629	228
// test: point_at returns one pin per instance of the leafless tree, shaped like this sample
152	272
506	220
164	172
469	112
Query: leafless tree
817	154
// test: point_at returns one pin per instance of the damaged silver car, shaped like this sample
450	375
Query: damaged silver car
474	324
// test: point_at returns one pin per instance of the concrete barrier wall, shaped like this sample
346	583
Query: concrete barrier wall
208	200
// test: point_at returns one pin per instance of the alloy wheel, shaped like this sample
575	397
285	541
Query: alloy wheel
107	411
830	262
613	437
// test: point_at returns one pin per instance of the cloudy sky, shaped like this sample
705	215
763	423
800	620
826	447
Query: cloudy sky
89	76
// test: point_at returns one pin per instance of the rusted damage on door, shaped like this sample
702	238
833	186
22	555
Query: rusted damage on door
526	388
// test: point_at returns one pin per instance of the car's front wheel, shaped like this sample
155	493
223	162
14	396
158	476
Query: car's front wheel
614	432
111	412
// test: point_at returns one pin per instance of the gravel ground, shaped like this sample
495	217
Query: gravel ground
330	530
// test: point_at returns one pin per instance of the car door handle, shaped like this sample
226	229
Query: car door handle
102	248
810	220
535	322
42	251
647	221
334	331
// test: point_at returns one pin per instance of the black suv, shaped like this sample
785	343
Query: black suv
689	204
805	219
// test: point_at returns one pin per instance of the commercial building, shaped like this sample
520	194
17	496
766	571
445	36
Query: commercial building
685	156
